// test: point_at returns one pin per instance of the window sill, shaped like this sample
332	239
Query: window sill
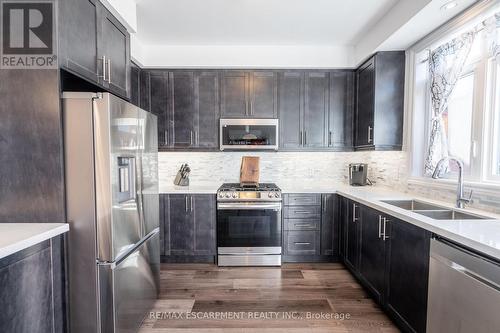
451	184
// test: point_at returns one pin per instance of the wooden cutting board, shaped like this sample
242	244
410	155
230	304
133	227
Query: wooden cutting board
249	172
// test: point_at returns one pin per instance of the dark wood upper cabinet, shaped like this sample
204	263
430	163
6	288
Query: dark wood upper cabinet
249	94
182	109
94	45
380	102
113	49
315	118
156	84
291	108
263	94
234	94
206	90
341	111
78	37
135	73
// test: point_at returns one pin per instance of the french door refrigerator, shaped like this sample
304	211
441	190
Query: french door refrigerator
112	205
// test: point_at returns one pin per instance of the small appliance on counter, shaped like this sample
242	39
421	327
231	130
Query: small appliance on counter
358	174
182	177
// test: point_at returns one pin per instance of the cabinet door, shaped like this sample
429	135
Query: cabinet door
181	225
291	107
303	242
365	78
78	38
182	109
372	256
352	236
157	82
341	111
263	95
135	73
343	206
203	212
316	110
207	106
114	44
234	102
329	234
145	90
408	273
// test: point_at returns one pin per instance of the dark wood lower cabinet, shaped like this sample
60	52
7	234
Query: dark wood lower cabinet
32	293
372	251
310	229
188	227
391	260
408	275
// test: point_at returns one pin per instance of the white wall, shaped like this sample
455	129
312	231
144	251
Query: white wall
234	56
125	11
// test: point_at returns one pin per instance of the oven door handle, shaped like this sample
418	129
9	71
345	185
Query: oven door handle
253	206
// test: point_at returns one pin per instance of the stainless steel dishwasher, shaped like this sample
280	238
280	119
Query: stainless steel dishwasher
464	290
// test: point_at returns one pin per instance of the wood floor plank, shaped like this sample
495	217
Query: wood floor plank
307	290
320	305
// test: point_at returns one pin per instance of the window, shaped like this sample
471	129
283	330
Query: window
456	100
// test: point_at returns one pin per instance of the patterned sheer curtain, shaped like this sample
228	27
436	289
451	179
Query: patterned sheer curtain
445	66
492	34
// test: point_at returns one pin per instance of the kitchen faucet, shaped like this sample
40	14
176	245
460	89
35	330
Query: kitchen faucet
461	200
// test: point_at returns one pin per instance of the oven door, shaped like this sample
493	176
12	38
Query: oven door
249	228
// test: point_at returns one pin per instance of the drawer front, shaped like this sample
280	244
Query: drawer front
301	242
303	212
302	199
302	224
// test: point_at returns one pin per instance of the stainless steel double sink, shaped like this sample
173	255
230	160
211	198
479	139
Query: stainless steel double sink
433	211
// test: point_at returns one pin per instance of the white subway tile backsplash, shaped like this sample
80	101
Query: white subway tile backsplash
386	168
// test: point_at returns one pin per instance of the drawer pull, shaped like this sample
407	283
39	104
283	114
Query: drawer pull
302	243
301	212
303	224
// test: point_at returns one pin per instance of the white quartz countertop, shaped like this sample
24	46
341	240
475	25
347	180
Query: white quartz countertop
15	237
481	235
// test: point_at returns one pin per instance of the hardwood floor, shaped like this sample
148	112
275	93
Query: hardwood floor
296	298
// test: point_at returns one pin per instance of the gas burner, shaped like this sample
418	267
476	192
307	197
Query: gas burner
235	192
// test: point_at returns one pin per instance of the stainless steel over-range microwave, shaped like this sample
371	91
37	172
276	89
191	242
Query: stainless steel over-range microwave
249	134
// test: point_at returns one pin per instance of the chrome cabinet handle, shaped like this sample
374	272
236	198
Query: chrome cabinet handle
196	140
324	204
302	224
380	226
302	243
251	108
329	138
186	203
354	218
166	138
305	138
103	68
384	232
301	212
370	129
109	71
190	138
301	138
191	199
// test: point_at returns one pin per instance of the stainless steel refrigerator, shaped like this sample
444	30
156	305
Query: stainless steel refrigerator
111	171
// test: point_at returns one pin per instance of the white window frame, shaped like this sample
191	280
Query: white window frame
493	104
417	138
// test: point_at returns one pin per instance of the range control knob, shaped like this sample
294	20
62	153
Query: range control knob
235	195
228	195
270	195
276	195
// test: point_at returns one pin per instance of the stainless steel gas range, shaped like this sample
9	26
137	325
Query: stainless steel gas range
249	225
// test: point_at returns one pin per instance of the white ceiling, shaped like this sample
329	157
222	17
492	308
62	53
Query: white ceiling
257	22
